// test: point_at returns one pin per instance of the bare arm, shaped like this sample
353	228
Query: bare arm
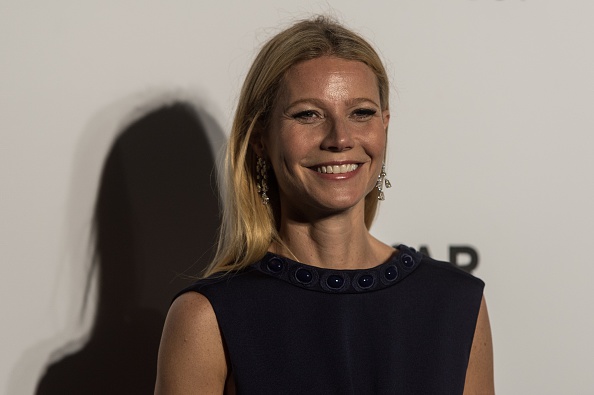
479	374
191	355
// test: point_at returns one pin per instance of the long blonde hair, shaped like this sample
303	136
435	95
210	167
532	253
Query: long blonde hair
248	226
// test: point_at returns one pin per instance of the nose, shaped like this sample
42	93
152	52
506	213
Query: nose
338	136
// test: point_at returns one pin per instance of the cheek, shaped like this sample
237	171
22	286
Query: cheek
382	141
376	143
293	144
284	151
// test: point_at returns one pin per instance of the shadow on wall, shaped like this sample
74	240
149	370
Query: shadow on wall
155	222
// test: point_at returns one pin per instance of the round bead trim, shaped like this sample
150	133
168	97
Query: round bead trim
407	261
303	275
334	281
275	265
391	272
365	281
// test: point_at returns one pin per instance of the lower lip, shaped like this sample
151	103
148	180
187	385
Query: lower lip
337	176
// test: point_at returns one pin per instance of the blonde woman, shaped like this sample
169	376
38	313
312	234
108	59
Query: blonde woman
301	298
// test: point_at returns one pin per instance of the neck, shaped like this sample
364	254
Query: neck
339	241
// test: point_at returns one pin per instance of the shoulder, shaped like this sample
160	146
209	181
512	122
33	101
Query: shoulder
213	284
191	354
458	293
446	271
191	308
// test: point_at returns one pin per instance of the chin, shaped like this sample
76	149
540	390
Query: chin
341	203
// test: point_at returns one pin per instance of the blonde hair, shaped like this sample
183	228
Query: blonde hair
248	226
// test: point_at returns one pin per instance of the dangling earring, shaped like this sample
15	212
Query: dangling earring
381	181
261	177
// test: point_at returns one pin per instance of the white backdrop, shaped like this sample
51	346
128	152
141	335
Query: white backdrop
490	144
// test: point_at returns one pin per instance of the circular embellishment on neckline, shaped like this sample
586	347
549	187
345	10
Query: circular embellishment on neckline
275	265
304	276
400	265
365	281
407	261
334	281
391	273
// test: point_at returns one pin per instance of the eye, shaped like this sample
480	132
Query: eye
363	114
307	116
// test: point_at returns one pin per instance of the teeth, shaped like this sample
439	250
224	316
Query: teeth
337	169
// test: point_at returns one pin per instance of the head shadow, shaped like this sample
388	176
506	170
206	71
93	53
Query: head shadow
154	227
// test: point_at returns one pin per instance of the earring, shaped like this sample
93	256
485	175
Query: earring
381	181
261	177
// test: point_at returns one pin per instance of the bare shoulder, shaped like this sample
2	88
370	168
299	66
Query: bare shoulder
191	354
479	375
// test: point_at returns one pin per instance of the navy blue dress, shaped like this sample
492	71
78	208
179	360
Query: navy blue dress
403	327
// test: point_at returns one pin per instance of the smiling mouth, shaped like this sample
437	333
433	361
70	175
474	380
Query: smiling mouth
337	169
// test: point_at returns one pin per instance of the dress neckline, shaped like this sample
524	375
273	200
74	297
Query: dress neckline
403	262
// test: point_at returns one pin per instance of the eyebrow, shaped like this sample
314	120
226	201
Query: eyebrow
350	102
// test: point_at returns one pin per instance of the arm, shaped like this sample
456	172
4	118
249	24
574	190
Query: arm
191	355
479	374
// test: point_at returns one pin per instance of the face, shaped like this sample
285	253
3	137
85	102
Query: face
327	137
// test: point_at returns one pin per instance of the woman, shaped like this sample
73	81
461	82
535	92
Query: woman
300	298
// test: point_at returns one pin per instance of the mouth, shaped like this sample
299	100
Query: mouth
337	169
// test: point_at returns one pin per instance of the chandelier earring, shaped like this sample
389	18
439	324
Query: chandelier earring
381	182
262	179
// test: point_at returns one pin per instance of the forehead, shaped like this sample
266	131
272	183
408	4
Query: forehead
327	74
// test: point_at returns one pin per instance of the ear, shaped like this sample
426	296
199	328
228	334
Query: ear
257	142
386	118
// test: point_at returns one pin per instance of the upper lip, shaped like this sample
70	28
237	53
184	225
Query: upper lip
336	163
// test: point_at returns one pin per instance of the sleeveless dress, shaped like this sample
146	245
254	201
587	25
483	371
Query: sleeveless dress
403	327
